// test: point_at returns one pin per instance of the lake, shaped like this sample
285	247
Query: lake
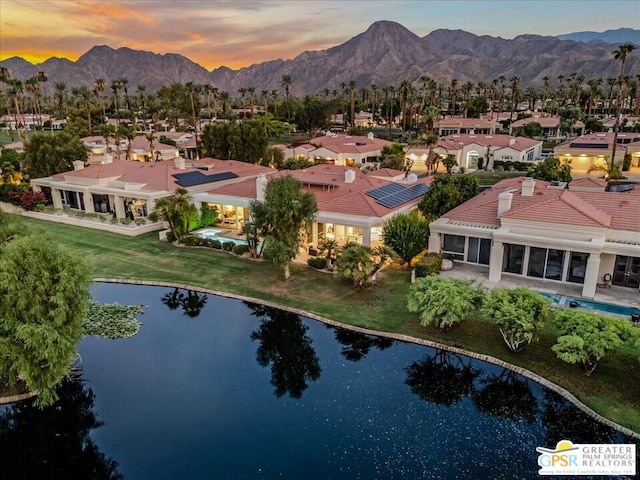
216	388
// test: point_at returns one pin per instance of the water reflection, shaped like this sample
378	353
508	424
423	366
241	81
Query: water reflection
285	345
54	442
356	346
192	303
506	396
444	378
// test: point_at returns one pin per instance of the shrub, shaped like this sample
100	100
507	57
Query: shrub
228	246
317	262
217	244
153	217
140	221
192	241
114	220
29	199
430	264
125	221
171	237
241	249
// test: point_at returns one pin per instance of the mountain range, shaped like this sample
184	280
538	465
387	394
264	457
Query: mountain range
385	54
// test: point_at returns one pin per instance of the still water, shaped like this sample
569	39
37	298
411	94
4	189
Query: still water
216	388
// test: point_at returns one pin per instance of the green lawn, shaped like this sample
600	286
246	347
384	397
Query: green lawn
491	178
613	390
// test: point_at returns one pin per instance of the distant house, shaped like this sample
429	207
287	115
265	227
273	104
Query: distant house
459	125
467	148
551	131
345	150
528	228
593	149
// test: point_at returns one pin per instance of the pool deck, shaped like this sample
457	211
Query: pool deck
629	297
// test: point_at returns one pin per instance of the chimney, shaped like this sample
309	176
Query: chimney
512	141
528	185
180	163
412	178
78	165
261	186
349	176
504	202
370	135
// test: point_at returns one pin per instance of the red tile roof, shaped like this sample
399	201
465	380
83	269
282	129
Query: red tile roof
618	211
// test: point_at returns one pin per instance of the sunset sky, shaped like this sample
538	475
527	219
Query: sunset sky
238	33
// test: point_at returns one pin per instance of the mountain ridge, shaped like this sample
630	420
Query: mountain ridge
385	54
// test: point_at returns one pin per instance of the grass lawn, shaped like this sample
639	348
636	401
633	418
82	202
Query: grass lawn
613	390
491	178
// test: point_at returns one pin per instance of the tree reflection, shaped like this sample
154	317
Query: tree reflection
563	420
442	379
507	397
285	346
192	303
356	346
54	442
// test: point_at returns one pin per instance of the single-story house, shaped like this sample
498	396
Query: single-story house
468	148
457	125
356	150
551	131
352	205
531	228
592	149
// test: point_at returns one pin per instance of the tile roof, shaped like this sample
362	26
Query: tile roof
332	193
618	211
349	144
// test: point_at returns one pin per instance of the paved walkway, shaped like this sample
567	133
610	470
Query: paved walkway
617	295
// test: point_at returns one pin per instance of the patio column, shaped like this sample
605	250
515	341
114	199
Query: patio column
57	199
119	204
434	242
591	275
151	205
366	236
314	233
495	261
88	202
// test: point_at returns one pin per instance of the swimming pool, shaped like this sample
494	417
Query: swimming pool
214	234
564	301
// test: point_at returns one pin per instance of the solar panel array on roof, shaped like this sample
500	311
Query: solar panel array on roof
392	195
190	179
588	145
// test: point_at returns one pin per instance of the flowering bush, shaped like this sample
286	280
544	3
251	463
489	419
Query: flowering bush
29	200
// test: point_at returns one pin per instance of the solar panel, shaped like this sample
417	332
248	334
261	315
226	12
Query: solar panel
190	179
392	195
588	145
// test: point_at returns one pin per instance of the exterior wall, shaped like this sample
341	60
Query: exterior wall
583	159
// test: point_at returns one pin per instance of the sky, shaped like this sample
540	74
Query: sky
238	33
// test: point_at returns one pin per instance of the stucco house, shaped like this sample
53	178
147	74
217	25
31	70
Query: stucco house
468	148
551	131
591	150
352	205
531	228
457	125
356	150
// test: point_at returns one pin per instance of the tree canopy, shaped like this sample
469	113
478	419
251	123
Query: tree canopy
518	312
447	192
245	141
586	337
280	218
44	294
551	169
47	154
407	235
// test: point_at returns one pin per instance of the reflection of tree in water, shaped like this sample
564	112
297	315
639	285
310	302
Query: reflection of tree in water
442	379
563	420
356	346
507	397
192	303
285	345
54	442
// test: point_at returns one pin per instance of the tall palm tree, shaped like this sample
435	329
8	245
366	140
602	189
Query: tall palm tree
15	91
353	86
545	91
43	78
252	92
32	85
124	82
515	90
99	86
621	55
59	95
84	99
286	84
453	96
115	87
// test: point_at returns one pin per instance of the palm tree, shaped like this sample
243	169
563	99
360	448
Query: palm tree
453	96
115	86
15	91
32	86
59	95
621	55
251	91
99	86
545	91
515	85
84	98
352	93
286	84
329	246
43	78
124	82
